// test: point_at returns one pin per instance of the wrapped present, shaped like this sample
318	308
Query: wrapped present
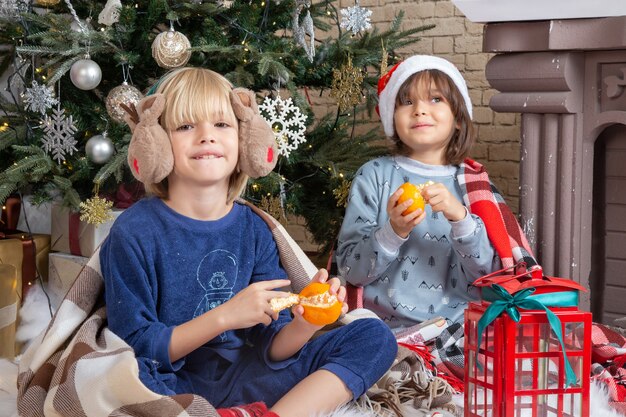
73	236
34	218
527	347
8	310
63	271
10	214
12	253
34	260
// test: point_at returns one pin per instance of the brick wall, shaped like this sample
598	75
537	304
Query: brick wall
460	41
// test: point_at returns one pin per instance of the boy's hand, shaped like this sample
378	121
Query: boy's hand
403	225
440	200
251	305
335	288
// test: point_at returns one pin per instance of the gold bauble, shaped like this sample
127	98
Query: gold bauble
122	94
171	49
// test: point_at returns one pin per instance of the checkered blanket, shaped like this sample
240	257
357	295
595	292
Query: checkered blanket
483	199
608	355
78	367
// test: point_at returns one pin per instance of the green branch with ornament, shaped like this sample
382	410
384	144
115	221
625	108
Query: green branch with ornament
71	65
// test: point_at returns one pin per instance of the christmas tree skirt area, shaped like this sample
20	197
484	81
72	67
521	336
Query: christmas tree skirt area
8	394
35	316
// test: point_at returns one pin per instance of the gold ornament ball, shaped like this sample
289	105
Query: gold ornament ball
171	49
122	94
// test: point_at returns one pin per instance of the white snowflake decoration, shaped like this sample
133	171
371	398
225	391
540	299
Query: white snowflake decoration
39	98
59	135
287	121
10	9
356	18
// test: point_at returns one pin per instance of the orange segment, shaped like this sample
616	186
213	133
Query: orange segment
320	307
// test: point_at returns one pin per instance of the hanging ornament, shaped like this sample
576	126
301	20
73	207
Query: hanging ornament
96	210
356	18
47	3
11	9
171	49
122	94
286	120
99	148
307	28
39	98
111	13
341	193
85	74
272	206
81	25
59	135
346	86
384	60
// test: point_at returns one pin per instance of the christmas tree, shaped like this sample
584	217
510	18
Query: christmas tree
70	66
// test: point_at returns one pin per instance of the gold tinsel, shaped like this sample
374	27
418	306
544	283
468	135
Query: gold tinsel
384	60
272	206
341	193
96	210
346	86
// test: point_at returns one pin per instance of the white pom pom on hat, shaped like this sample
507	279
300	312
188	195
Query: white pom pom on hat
390	83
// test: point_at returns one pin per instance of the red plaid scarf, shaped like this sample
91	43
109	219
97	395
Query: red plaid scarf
483	199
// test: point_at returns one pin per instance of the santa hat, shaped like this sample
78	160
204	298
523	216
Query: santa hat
390	83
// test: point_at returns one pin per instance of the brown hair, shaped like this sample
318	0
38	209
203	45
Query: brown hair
463	137
193	94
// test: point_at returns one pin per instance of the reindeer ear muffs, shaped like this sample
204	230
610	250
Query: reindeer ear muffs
150	154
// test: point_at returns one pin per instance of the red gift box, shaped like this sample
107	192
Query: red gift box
10	214
527	352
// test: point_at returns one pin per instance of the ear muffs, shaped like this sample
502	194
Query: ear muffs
150	154
258	151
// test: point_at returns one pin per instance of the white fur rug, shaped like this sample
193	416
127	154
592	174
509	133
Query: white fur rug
35	316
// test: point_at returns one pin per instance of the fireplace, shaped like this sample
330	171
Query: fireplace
568	80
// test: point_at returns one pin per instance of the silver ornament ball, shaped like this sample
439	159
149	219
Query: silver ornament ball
99	148
85	74
171	49
122	94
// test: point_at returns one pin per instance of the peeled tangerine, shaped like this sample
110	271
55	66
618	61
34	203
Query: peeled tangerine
413	192
320	307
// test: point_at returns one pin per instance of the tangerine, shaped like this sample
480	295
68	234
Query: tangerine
412	192
320	307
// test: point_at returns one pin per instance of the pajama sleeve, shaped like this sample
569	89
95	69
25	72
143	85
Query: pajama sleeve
360	256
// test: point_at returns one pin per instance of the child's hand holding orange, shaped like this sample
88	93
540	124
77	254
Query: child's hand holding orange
319	303
406	208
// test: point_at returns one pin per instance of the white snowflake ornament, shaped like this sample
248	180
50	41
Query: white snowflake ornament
287	121
11	9
356	18
39	98
59	135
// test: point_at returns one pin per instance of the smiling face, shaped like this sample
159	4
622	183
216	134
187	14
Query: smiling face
205	152
203	130
431	123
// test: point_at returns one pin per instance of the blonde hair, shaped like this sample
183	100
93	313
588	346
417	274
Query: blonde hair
463	137
194	94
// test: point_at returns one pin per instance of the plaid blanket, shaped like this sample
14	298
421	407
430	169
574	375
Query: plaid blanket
483	199
608	356
78	367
